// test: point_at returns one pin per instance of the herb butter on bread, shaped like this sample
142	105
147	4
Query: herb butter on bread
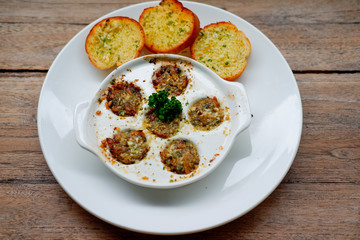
222	48
114	41
169	27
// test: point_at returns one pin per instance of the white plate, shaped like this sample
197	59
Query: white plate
258	161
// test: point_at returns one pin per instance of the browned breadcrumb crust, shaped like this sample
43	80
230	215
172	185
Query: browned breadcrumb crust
124	98
180	156
159	128
128	146
206	114
170	78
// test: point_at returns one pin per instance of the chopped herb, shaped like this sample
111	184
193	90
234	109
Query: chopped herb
209	60
112	82
201	34
165	109
200	58
226	63
104	41
224	45
170	22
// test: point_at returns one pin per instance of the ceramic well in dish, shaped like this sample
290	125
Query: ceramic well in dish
91	128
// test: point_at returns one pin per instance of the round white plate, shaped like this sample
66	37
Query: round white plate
256	164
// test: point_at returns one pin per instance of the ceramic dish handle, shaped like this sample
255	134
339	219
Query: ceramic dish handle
242	101
80	121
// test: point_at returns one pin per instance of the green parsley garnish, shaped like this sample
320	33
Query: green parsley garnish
104	41
165	109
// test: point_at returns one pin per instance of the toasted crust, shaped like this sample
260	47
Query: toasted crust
222	48
114	41
169	27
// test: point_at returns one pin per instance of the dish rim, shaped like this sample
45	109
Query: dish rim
84	107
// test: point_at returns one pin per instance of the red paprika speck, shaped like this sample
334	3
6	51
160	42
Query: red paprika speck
215	155
107	106
98	112
103	143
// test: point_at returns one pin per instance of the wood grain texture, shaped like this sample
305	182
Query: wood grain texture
309	40
318	199
42	211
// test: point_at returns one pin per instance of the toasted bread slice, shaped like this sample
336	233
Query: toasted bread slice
222	48
169	27
114	41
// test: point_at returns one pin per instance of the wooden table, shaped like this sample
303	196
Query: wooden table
319	197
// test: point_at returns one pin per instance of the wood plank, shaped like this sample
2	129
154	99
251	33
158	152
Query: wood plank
36	45
339	165
342	88
323	169
325	155
329	51
292	211
50	11
309	41
257	12
328	152
24	167
320	47
331	104
19	94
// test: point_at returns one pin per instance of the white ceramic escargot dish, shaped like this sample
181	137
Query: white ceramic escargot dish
118	131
